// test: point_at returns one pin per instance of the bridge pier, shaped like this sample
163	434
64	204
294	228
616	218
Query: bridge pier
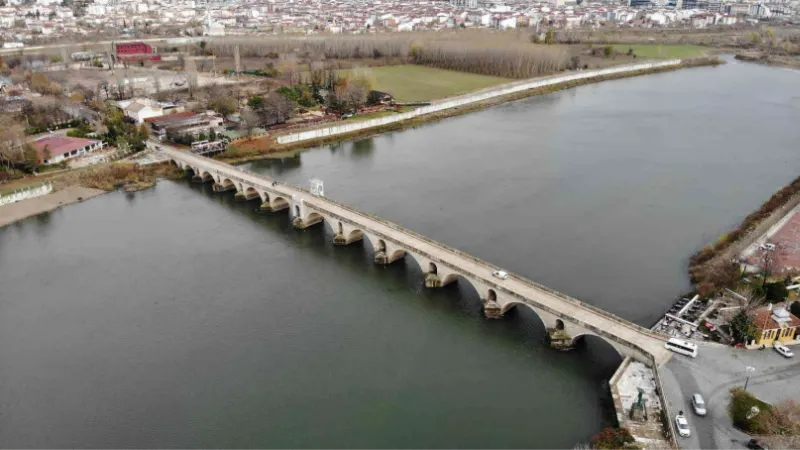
274	206
432	280
244	196
301	224
492	309
202	178
381	257
558	337
340	239
222	188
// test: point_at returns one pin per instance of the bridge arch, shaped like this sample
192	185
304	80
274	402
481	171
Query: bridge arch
252	191
589	339
279	203
432	268
491	295
314	217
508	306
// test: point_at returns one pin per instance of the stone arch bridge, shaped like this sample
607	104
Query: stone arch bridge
566	319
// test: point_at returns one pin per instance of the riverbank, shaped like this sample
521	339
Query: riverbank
770	60
711	268
76	186
46	203
267	147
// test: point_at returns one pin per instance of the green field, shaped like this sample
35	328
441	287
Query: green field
409	83
663	51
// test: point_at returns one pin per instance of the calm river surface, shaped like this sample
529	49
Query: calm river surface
176	317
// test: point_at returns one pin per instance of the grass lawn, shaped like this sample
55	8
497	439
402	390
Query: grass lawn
419	83
663	51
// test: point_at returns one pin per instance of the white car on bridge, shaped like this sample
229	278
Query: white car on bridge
502	274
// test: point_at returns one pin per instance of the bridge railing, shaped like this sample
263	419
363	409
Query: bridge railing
487	265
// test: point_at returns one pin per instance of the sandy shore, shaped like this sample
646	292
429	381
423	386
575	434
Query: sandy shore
31	207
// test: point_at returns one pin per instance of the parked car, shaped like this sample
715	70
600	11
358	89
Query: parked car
699	405
782	349
755	444
502	274
683	426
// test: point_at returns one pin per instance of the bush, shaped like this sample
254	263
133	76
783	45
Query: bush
740	405
612	438
742	327
775	292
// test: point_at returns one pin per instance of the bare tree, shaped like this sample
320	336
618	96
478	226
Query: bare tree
768	264
249	121
190	70
12	137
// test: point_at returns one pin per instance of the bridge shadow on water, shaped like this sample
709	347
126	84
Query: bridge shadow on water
520	328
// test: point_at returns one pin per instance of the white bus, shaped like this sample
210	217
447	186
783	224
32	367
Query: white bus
682	347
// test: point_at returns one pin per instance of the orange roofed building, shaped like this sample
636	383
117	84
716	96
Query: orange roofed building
774	324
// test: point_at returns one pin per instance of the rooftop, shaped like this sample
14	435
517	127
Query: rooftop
59	145
766	316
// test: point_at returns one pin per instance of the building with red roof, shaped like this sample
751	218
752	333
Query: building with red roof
54	149
774	324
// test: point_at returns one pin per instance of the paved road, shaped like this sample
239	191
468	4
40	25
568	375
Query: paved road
475	269
713	373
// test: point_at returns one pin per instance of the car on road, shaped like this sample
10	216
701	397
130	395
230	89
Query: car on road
683	426
782	349
699	405
755	444
502	274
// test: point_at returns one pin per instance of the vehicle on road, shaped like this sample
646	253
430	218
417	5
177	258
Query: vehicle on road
683	426
699	405
683	347
755	444
767	246
782	349
502	274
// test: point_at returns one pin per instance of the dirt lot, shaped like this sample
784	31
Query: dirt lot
143	78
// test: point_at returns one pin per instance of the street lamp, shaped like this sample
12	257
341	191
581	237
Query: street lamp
749	369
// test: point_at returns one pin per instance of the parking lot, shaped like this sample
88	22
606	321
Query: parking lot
712	374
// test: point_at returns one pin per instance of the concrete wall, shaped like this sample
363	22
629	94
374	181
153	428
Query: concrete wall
468	99
26	194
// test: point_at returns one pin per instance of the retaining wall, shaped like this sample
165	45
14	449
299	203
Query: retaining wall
471	98
26	194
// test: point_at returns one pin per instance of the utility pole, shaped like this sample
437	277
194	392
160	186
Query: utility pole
749	370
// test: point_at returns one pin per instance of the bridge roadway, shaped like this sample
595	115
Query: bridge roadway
565	318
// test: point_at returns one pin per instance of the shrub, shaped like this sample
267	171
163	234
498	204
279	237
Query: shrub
775	292
740	405
742	327
612	438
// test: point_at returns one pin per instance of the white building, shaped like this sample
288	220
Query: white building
140	109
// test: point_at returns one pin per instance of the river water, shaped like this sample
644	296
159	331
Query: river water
176	317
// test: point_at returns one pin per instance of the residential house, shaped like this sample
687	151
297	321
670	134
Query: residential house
774	324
